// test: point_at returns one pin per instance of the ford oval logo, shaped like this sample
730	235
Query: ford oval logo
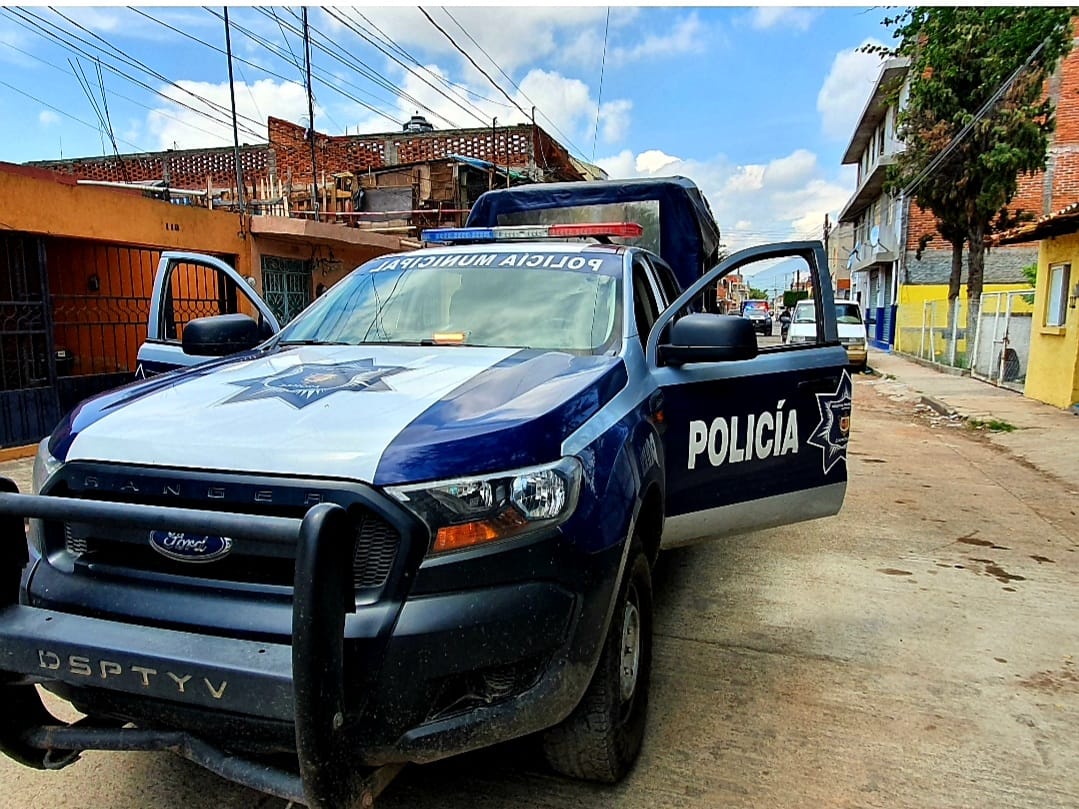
185	547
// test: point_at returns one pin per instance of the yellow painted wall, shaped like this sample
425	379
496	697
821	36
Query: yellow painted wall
911	312
1053	368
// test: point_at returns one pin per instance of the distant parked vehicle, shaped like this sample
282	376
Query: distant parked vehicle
852	334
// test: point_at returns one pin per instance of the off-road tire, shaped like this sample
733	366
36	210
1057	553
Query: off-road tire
600	740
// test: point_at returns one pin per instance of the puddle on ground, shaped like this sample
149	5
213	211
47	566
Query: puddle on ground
1040	559
891	571
873	460
1002	574
982	543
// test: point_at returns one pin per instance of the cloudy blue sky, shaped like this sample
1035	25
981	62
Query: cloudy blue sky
756	105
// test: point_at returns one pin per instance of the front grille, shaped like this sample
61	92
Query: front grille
376	548
93	547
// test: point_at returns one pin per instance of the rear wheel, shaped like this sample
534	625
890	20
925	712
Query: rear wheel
600	740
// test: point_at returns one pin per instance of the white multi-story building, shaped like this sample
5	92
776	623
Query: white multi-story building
877	217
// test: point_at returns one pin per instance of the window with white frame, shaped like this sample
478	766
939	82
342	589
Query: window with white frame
1056	310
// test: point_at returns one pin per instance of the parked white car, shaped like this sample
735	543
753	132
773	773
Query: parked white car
851	326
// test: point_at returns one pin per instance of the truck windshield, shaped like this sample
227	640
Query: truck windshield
410	300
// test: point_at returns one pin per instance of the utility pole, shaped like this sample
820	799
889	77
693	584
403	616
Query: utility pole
235	127
310	114
827	230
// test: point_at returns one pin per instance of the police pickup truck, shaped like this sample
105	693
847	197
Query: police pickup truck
419	520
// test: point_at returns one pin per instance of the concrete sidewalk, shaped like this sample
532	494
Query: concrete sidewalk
1043	436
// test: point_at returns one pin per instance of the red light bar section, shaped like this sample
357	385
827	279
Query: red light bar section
624	230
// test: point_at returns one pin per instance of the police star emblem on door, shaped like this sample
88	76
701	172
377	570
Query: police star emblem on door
833	430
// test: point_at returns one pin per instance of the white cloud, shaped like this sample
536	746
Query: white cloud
685	37
846	89
176	126
48	118
614	119
653	162
766	17
781	200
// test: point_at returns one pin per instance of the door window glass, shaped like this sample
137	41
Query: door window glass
197	290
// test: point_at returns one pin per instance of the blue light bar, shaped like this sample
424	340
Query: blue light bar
458	235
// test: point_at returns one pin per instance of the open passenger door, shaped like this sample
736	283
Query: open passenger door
759	438
189	286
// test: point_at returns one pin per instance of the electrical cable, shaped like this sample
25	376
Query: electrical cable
438	76
516	86
374	76
115	94
263	69
602	67
40	31
140	65
935	163
467	106
66	114
331	83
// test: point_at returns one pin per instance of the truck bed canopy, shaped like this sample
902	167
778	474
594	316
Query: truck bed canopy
688	233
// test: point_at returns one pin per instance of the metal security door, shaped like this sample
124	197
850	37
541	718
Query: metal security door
286	286
29	408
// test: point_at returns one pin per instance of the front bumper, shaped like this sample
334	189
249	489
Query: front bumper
352	684
857	354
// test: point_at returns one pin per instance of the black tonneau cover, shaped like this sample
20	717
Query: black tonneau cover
689	235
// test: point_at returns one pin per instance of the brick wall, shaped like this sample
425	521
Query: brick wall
287	156
181	169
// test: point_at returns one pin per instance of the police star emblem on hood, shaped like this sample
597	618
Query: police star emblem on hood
306	383
833	431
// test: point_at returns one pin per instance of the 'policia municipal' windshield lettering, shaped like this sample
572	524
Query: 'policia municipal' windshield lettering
732	440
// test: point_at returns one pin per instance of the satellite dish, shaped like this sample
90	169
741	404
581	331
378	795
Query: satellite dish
874	236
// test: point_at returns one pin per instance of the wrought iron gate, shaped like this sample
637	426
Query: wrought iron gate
286	286
29	407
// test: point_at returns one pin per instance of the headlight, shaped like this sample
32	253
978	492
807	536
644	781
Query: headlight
473	511
45	466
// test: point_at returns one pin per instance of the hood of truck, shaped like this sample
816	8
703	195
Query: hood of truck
379	414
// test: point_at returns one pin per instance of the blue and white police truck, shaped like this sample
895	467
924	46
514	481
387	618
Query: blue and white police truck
418	520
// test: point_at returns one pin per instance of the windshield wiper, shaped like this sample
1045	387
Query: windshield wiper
313	343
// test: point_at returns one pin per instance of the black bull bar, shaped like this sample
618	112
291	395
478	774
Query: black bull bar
323	594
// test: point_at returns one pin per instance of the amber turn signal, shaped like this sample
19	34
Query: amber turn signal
465	535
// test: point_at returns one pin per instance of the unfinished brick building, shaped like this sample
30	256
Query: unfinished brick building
392	182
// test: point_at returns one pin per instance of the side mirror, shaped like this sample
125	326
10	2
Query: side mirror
220	335
709	338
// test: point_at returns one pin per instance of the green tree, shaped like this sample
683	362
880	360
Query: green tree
964	61
758	294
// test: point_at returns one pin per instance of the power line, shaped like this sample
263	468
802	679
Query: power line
348	23
508	78
37	29
936	162
468	56
602	67
239	59
63	112
332	84
115	94
133	62
439	77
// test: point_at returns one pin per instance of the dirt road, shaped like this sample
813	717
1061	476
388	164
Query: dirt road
919	650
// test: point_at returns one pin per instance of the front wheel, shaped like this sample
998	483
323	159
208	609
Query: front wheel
600	740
